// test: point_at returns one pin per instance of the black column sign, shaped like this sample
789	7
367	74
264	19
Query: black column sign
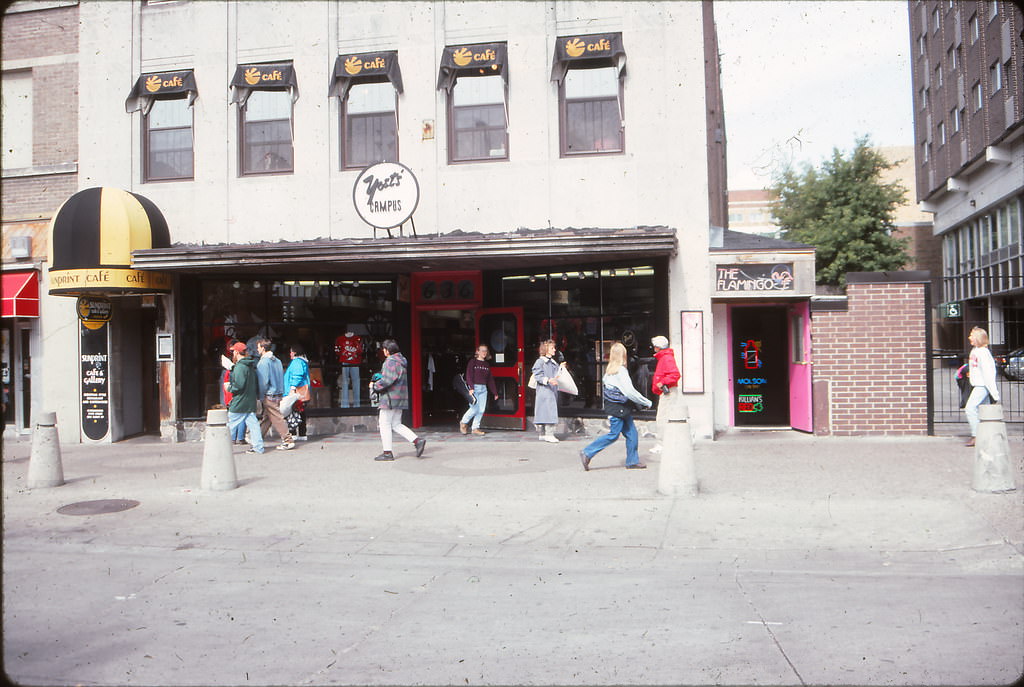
95	380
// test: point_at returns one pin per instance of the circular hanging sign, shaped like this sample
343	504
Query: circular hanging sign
386	194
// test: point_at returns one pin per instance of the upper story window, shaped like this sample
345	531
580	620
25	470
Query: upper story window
938	76
977	96
476	80
165	99
974	27
993	10
956	117
935	20
995	76
368	85
590	70
942	133
265	94
167	141
17	119
922	45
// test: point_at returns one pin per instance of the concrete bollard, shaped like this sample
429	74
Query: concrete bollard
992	470
218	462
44	466
677	474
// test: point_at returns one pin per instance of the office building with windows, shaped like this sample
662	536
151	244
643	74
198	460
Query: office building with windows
969	131
333	174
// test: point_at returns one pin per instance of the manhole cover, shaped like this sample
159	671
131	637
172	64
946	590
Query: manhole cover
97	507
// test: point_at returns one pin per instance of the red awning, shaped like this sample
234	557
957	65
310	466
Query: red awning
20	294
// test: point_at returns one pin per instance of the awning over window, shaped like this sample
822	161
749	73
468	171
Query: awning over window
92	236
148	87
367	66
277	76
479	58
21	294
522	249
606	47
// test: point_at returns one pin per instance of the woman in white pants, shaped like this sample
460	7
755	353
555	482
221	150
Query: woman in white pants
982	375
393	388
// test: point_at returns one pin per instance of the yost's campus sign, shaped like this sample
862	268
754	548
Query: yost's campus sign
386	194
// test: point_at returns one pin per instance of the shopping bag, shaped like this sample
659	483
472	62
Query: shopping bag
287	403
303	392
566	383
533	382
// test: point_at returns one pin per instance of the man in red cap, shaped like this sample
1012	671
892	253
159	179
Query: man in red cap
244	385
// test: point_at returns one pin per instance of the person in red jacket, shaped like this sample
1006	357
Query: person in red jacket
666	373
664	384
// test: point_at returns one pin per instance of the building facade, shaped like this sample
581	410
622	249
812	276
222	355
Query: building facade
40	165
969	130
440	173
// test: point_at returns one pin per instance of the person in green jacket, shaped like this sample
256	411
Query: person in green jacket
244	385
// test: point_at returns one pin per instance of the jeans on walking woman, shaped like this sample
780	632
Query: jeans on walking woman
478	407
617	426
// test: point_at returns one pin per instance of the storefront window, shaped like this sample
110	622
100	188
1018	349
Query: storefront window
340	324
585	311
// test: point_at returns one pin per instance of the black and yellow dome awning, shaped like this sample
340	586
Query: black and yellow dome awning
92	237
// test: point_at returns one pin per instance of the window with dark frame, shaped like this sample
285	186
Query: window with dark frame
167	140
265	126
589	104
477	122
369	125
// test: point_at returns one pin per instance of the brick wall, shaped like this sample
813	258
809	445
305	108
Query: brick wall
45	43
870	360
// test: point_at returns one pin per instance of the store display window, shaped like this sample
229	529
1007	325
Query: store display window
584	311
339	323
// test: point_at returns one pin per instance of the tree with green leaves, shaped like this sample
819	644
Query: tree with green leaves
845	211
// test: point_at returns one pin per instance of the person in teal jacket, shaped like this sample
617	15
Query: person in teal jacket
244	387
297	375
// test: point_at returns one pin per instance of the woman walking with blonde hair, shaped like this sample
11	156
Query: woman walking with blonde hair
982	375
620	396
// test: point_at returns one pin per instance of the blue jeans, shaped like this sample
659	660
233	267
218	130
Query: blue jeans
349	378
238	433
252	423
617	426
979	395
477	408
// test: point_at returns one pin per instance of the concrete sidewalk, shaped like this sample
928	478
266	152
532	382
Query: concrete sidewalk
497	560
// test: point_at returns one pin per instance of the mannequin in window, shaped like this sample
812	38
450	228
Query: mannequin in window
349	349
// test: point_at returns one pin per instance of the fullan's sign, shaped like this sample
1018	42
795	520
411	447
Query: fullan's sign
386	194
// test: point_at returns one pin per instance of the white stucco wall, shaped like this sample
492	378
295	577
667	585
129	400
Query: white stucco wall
661	180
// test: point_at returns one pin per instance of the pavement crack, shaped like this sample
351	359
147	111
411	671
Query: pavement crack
764	622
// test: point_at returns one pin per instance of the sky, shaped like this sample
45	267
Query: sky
801	78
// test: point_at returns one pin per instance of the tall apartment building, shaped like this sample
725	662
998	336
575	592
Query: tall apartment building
40	165
969	130
333	174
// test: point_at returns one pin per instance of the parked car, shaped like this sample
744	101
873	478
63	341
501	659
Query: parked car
1012	364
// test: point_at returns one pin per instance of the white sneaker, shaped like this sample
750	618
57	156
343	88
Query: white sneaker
551	439
656	449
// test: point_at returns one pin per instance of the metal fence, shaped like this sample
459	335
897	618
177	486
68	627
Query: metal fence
946	411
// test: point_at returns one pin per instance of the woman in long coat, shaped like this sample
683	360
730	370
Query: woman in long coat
545	406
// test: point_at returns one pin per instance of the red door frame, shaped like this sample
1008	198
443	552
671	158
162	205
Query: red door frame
517	371
421	304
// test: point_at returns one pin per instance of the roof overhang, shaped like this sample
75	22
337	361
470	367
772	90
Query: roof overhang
520	249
